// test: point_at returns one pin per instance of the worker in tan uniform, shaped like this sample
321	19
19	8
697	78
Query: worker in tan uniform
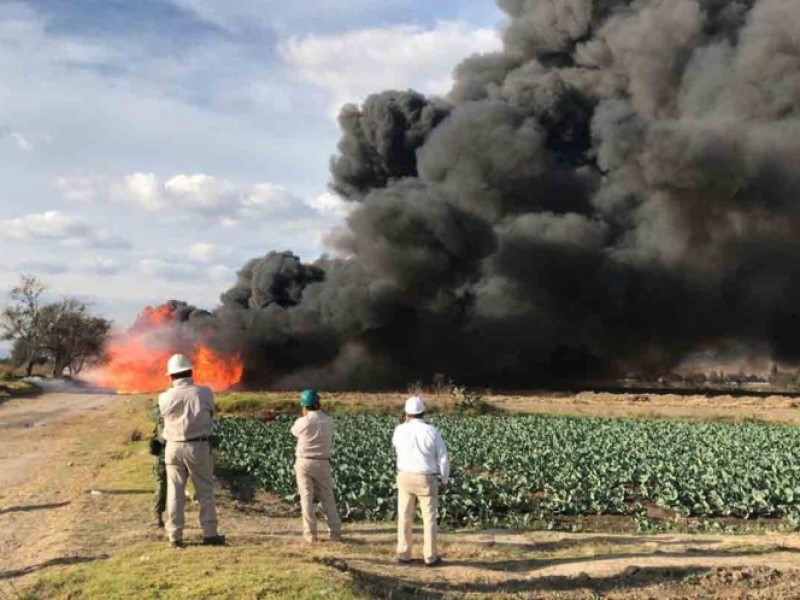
188	412
423	470
314	433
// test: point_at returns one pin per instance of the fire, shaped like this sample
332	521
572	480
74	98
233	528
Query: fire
137	359
154	317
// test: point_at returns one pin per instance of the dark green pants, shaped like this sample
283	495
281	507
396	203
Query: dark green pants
160	476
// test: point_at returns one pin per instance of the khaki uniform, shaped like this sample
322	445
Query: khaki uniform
413	488
188	412
314	433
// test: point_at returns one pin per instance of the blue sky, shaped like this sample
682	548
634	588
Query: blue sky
149	148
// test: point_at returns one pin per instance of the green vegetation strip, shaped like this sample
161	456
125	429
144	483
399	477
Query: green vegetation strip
521	470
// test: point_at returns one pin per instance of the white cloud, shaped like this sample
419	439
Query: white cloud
356	63
202	193
244	14
201	197
57	226
99	266
41	266
23	143
272	200
204	252
77	189
92	265
331	204
156	267
184	271
222	273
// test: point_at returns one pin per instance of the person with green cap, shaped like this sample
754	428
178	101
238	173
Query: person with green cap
314	433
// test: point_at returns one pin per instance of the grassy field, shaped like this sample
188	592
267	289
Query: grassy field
104	549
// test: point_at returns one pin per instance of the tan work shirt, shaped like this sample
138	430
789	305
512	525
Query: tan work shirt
188	411
314	434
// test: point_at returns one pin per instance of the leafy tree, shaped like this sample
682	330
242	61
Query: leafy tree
73	337
21	321
63	333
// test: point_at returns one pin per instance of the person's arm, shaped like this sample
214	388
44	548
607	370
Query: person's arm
396	437
298	427
442	458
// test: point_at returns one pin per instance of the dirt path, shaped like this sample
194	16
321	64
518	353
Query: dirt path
41	475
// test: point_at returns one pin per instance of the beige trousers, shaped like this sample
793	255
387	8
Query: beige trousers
190	460
314	482
412	489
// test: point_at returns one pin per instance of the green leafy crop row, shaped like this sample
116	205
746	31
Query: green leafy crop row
516	468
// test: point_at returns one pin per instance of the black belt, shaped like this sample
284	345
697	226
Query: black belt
312	458
203	438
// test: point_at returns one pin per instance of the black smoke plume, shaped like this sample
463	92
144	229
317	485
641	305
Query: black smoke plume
620	186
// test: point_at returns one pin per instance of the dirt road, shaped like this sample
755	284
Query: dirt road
38	473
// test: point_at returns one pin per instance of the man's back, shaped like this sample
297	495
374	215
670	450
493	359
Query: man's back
188	411
314	433
420	449
416	438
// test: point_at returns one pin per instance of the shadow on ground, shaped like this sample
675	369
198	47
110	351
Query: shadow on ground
379	583
32	507
53	562
400	588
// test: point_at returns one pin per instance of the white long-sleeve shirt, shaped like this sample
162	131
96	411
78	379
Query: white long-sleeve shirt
421	449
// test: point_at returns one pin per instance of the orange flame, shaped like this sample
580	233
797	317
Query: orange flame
153	317
137	359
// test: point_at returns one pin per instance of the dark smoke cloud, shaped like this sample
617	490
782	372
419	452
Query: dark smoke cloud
380	140
616	189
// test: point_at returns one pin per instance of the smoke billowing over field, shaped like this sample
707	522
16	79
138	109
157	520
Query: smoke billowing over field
617	188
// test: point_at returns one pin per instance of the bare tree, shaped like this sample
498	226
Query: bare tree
21	321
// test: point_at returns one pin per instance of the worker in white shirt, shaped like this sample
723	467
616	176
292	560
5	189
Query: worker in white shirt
423	469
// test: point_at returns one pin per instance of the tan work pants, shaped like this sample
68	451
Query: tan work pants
411	489
314	481
190	460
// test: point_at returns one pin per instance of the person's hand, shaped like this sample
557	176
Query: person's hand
442	487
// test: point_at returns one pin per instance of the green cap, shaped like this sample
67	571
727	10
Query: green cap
309	398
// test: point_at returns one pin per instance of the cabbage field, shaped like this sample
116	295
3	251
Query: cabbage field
520	469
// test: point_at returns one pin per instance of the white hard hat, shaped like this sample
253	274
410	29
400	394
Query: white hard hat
178	363
415	406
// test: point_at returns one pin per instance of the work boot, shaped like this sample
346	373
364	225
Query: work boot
214	540
176	544
157	522
436	562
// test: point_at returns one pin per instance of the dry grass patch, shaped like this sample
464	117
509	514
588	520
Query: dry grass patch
270	404
153	570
